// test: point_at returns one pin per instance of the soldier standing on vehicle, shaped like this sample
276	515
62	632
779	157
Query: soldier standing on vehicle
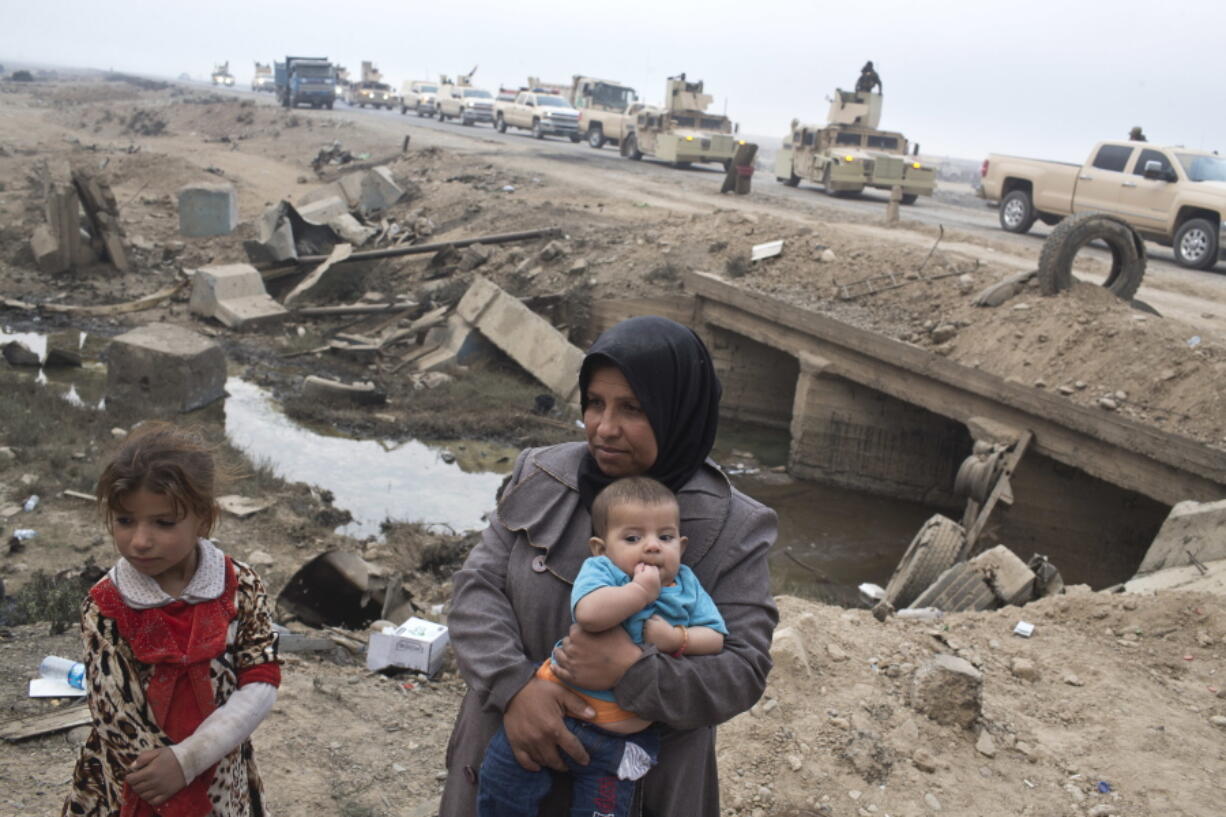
1136	135
868	80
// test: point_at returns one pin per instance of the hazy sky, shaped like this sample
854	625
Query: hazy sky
961	78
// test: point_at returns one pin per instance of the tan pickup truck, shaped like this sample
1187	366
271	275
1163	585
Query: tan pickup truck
543	114
1171	195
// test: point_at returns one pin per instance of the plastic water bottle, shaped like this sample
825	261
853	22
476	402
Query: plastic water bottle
31	503
73	672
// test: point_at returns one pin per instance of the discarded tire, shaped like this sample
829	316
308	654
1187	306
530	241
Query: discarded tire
960	588
930	553
1073	233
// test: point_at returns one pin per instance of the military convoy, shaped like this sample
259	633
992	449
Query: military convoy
682	132
262	79
850	153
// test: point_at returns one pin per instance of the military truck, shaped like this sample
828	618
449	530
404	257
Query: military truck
681	132
305	81
460	100
850	153
419	96
262	79
222	75
603	109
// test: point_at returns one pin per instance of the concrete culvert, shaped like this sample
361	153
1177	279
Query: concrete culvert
1061	247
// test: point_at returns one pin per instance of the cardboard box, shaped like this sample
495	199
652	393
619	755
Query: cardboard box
417	644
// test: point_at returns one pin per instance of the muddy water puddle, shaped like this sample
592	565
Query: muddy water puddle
372	479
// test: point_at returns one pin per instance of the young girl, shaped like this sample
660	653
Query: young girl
181	660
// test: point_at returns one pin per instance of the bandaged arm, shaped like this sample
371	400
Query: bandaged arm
221	732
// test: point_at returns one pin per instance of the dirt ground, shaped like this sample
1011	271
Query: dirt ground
1113	689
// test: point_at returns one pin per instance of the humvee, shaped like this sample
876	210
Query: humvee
681	132
851	153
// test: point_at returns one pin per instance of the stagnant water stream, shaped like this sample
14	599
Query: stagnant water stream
830	539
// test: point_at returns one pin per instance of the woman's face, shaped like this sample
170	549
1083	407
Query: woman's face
618	432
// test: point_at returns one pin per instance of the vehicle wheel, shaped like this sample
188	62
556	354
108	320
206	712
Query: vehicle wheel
329	106
500	124
630	147
791	181
933	550
465	121
1196	244
595	137
1017	213
682	165
910	198
537	131
1070	235
574	138
403	110
420	112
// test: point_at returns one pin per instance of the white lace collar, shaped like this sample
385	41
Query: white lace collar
142	592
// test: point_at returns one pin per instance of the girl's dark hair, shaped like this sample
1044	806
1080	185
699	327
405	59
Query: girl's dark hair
643	490
161	458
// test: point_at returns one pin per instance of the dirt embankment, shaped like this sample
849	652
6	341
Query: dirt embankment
1108	709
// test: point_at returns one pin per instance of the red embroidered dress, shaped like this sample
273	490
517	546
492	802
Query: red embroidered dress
153	675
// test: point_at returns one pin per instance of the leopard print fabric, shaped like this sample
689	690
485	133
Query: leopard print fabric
123	721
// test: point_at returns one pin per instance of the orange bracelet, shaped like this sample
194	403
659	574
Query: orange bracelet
685	641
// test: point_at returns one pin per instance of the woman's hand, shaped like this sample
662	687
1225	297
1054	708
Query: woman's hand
535	730
595	660
663	635
155	775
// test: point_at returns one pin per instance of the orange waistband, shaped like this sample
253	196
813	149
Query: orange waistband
606	711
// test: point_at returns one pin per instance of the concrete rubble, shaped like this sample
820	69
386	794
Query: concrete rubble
161	367
208	209
1193	531
234	294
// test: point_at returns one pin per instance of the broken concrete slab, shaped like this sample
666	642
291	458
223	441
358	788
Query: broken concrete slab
324	191
317	279
320	388
1008	576
351	230
371	191
164	367
324	210
46	250
235	295
1209	577
527	338
207	208
341	589
1192	529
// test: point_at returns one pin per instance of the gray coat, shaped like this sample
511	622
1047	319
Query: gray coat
512	603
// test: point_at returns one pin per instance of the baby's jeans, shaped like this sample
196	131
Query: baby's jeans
506	789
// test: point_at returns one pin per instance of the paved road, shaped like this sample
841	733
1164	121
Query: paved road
1193	296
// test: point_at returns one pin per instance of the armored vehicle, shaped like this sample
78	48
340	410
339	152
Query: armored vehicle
602	106
850	153
372	90
681	132
460	100
222	75
263	80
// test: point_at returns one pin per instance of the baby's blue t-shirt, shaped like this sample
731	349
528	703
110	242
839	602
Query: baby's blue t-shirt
684	602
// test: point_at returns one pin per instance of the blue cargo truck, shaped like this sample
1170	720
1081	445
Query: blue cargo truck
306	81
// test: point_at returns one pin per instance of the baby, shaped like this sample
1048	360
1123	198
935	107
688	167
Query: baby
634	578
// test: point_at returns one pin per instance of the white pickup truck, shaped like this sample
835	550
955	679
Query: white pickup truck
1171	195
543	114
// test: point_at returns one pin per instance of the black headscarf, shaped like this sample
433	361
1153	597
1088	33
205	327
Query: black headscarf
670	371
